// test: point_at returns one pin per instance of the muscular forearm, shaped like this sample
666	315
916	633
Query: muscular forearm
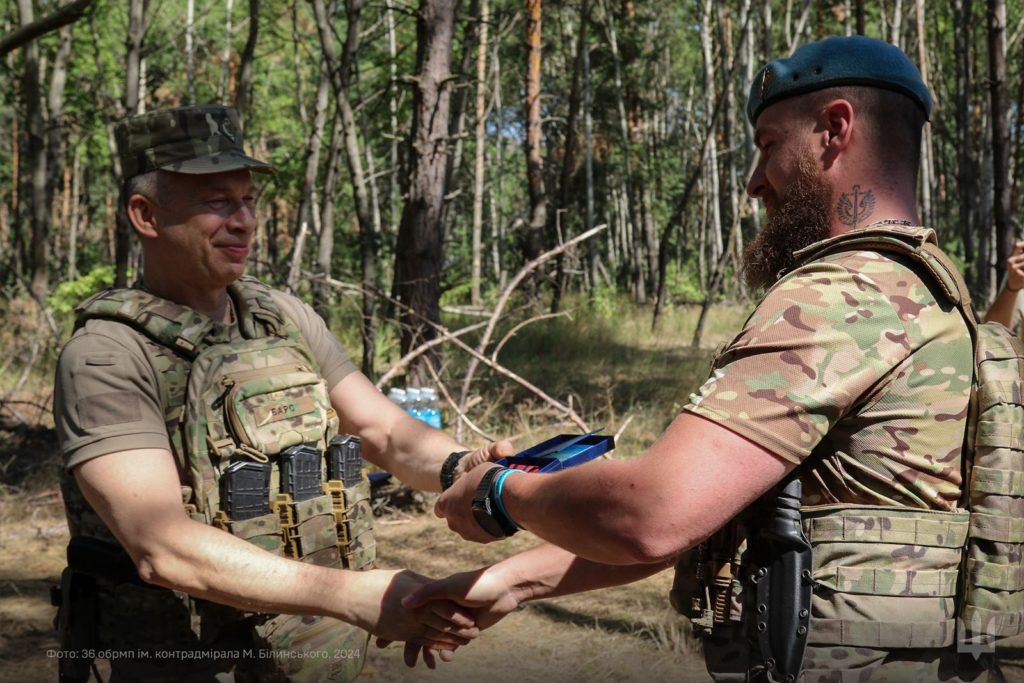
591	511
211	564
414	452
548	571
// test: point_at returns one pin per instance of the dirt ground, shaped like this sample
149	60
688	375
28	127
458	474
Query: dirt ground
621	634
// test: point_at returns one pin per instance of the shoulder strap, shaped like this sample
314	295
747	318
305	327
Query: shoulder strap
169	324
919	245
255	305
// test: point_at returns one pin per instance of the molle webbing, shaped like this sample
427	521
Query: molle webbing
887	577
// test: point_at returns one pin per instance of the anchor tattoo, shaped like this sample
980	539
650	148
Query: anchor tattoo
855	207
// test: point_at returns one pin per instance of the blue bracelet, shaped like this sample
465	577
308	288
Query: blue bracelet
499	485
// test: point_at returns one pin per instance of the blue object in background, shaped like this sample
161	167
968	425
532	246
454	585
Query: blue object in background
420	402
561	452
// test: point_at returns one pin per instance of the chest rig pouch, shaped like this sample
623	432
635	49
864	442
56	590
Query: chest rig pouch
881	577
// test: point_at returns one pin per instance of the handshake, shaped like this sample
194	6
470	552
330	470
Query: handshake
433	617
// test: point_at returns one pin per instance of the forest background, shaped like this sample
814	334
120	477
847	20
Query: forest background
536	207
427	153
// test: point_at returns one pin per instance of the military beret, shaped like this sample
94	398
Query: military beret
196	140
837	61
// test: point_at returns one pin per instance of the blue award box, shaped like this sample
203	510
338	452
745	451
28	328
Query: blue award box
561	452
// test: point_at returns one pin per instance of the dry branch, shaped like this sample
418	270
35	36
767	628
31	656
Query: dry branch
404	361
68	14
447	397
529	321
499	308
497	367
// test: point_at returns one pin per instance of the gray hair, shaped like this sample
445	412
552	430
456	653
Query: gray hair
144	184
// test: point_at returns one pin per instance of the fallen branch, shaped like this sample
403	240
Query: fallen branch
447	397
512	332
497	367
69	13
507	293
404	361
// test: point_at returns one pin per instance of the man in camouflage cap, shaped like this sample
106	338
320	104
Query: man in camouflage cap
853	374
161	572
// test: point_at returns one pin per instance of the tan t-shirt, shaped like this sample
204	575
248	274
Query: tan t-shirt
107	396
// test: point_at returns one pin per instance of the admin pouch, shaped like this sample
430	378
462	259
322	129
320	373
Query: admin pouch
965	586
250	422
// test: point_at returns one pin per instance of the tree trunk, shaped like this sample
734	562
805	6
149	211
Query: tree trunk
632	224
190	60
859	12
569	152
243	95
341	74
133	45
419	251
304	213
715	226
534	135
394	189
479	160
588	144
1000	134
76	172
966	176
225	77
927	151
457	118
35	127
325	250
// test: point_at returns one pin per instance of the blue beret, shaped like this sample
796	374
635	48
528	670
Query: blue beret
846	60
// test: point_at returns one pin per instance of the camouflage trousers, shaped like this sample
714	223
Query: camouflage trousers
149	637
726	655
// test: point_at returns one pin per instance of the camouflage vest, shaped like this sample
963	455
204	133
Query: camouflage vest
966	584
246	400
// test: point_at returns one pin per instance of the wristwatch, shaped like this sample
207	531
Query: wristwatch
485	509
448	468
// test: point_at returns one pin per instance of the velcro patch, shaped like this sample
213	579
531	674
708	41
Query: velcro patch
283	409
115	407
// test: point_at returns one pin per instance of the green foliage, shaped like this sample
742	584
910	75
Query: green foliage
603	302
70	293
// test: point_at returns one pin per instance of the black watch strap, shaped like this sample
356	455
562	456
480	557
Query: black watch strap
448	469
485	509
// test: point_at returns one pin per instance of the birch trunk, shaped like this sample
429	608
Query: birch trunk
479	161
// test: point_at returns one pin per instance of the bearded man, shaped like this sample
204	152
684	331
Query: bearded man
827	438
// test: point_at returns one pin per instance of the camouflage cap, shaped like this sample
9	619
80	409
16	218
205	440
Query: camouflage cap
840	60
196	140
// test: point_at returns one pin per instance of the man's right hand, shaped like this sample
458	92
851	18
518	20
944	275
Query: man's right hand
377	605
490	597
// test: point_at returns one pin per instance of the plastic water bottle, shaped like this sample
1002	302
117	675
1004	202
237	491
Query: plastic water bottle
398	396
431	408
414	402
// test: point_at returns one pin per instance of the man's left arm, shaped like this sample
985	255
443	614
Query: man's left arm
399	443
695	478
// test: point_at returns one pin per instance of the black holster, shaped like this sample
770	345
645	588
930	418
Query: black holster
75	623
777	604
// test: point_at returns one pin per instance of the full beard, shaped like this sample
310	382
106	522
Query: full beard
802	217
